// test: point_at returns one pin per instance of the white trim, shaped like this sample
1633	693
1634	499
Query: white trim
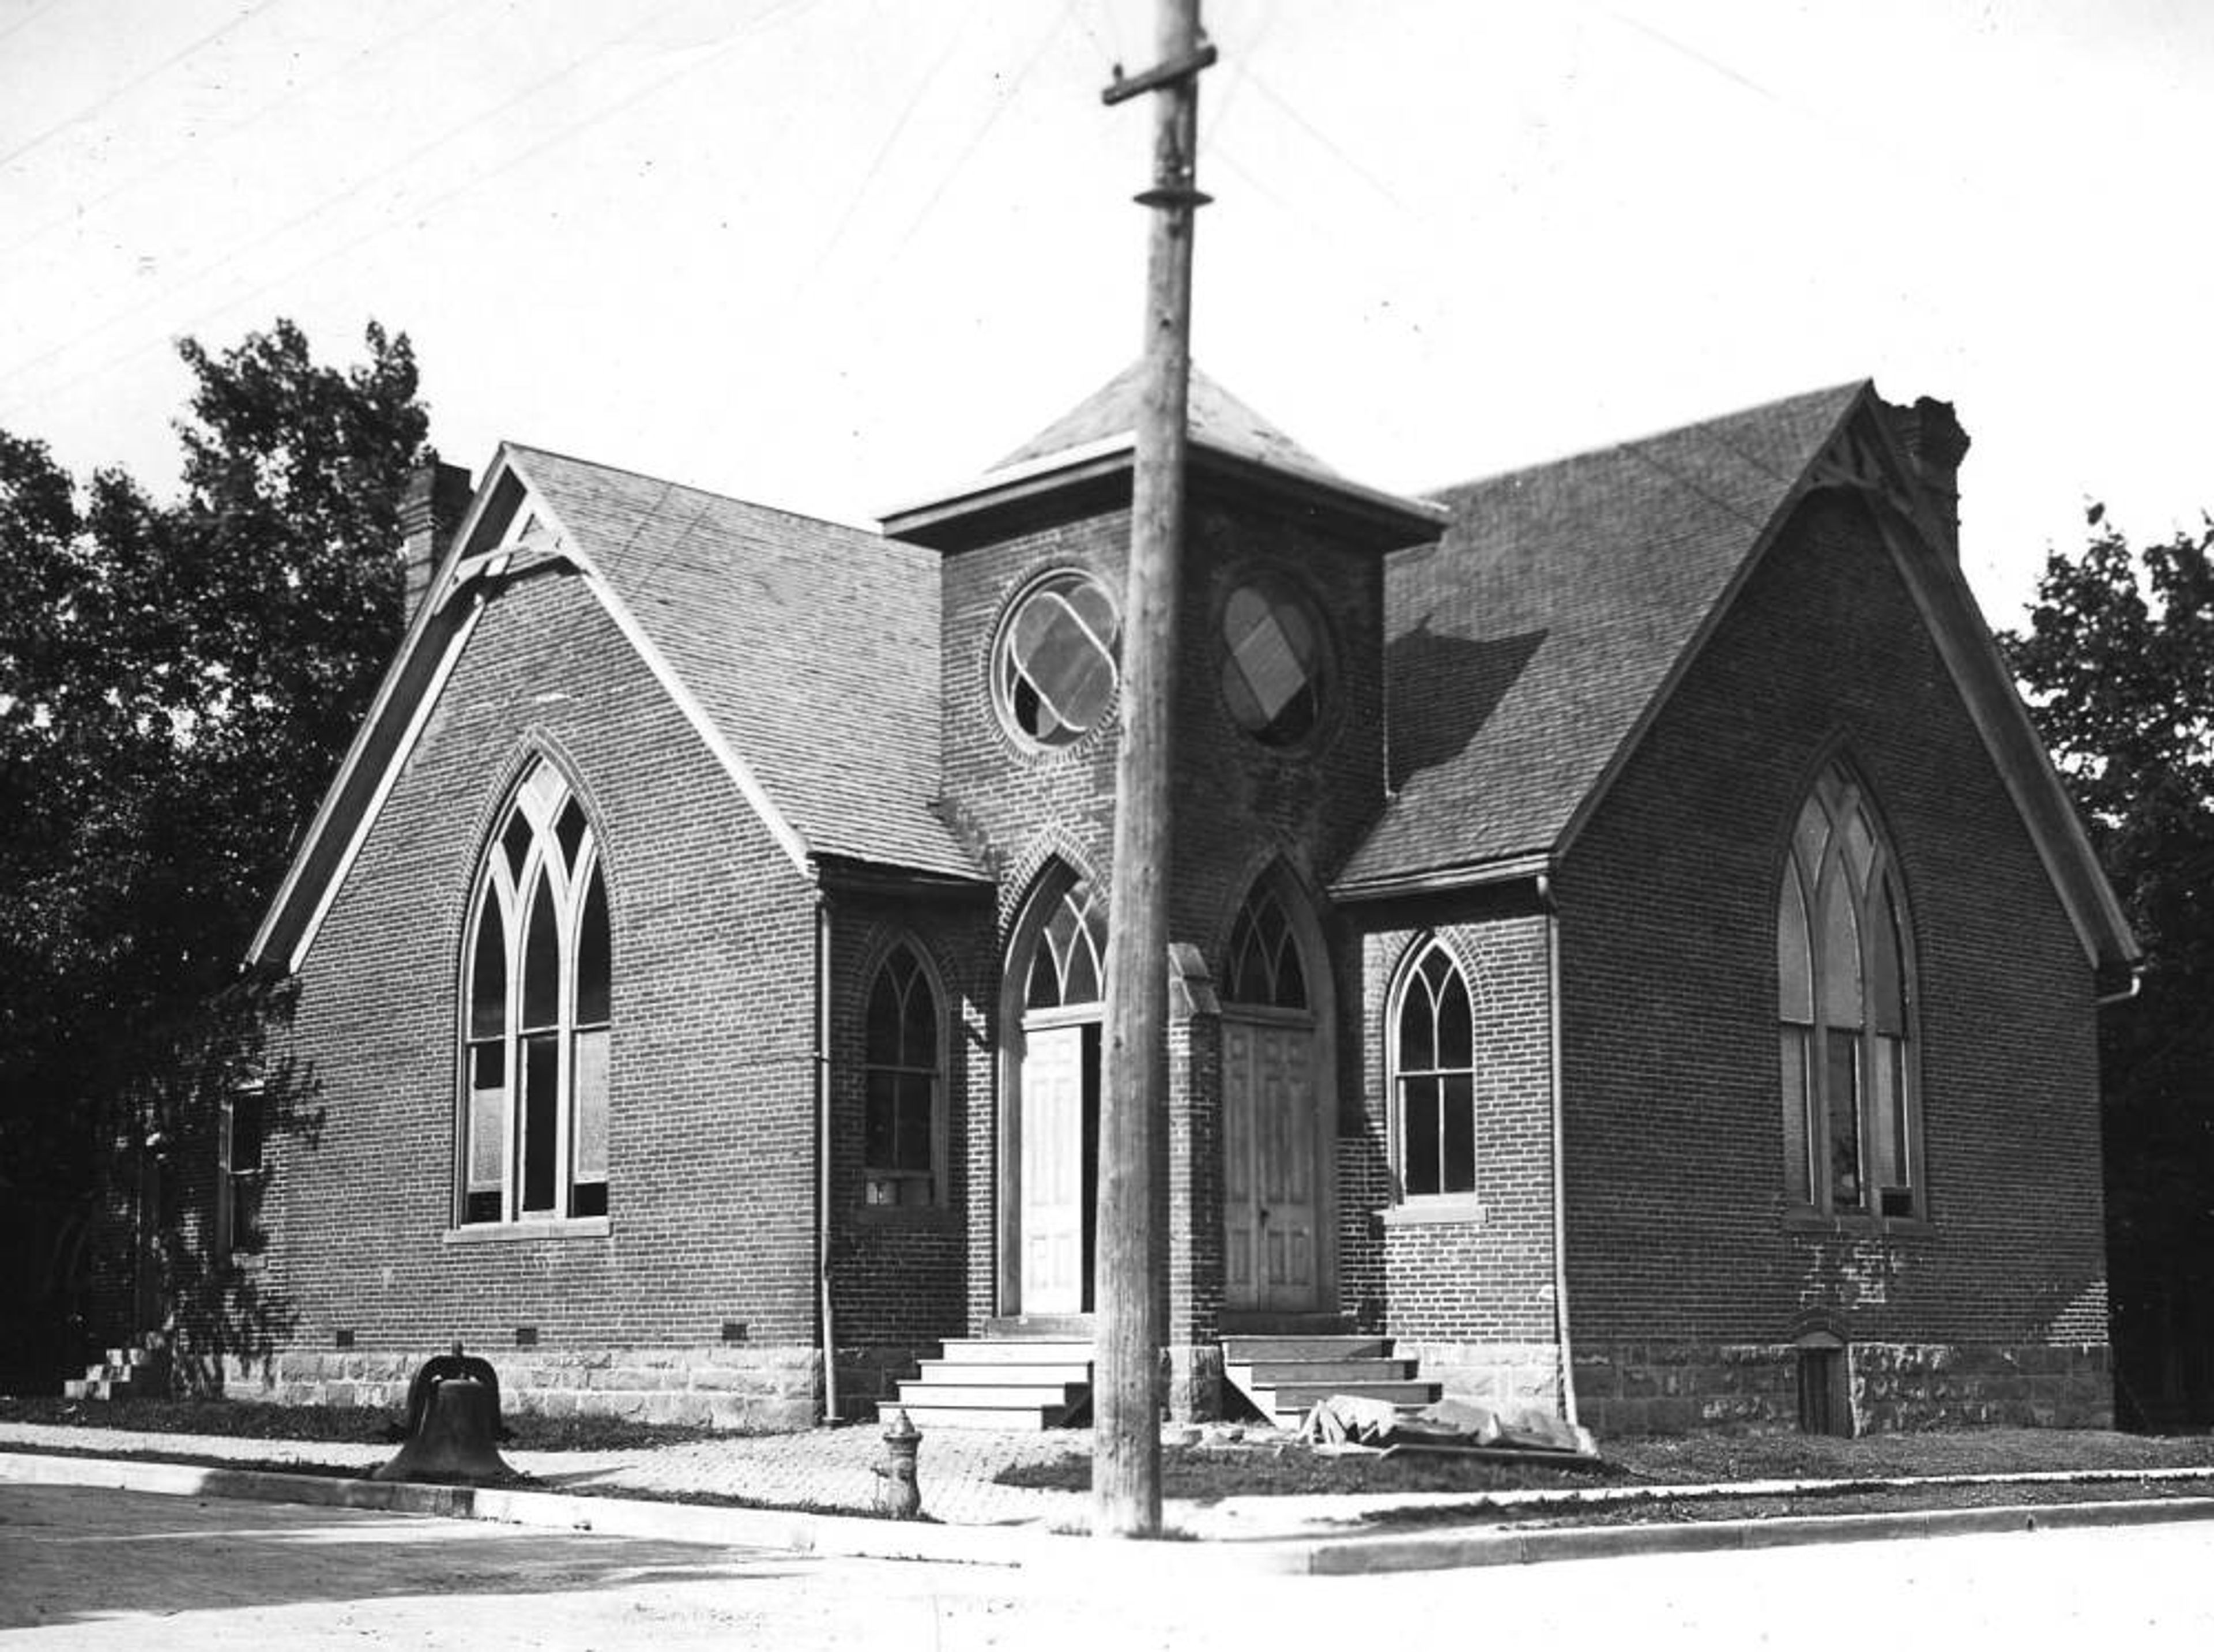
401	751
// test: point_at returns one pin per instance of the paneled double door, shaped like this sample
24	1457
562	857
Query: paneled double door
1272	1167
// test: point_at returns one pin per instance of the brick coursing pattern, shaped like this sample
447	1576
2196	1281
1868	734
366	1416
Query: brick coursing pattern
711	1147
1678	1236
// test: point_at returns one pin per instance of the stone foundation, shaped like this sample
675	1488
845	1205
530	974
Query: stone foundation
755	1389
1504	1376
868	1376
1637	1388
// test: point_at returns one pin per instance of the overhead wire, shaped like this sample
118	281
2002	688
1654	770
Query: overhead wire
176	58
178	154
232	255
775	10
25	21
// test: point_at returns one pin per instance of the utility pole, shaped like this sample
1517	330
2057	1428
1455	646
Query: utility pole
1126	1460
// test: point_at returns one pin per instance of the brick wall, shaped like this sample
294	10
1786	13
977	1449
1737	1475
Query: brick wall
708	1246
1678	1235
1473	1274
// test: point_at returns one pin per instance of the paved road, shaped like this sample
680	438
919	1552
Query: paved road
125	1569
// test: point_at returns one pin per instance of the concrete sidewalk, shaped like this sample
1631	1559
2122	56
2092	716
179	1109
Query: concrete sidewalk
814	1489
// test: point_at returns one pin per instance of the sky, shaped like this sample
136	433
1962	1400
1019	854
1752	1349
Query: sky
837	256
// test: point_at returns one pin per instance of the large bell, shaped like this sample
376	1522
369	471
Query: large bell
453	1422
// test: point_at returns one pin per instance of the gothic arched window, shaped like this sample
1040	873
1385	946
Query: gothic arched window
537	987
1434	1078
1850	1135
902	1128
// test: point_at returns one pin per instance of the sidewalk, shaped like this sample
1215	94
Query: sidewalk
812	1487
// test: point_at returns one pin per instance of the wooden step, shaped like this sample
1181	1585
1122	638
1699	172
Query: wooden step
1299	1396
973	1396
1077	1371
1268	1373
1029	1419
1248	1350
1018	1350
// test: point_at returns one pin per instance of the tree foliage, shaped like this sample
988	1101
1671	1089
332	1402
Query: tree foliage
177	683
2118	662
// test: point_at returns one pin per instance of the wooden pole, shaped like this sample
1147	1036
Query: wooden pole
1126	1464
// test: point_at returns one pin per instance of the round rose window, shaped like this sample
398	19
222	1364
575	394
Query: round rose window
1053	667
1272	676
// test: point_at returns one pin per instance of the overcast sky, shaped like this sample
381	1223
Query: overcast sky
832	255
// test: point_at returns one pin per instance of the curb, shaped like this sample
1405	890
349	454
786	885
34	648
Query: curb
1032	1548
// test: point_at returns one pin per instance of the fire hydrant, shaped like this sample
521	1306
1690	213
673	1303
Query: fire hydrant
897	1495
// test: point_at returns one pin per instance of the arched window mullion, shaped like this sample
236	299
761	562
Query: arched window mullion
903	1135
1433	1103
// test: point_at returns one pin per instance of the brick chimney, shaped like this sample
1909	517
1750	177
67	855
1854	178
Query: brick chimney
1935	443
430	510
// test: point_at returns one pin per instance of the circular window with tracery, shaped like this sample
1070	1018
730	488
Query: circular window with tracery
1053	667
1272	671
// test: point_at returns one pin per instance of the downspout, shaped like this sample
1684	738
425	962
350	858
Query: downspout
1568	1369
823	1151
2107	1001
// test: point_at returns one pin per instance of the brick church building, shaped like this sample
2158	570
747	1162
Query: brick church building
1631	953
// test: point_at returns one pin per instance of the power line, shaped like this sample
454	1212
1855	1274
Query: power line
769	15
232	255
180	153
23	148
29	19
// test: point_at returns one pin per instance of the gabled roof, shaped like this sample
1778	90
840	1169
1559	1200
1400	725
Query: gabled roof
813	647
1529	644
804	653
1529	651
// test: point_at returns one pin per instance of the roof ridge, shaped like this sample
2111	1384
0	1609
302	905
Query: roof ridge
1628	444
510	444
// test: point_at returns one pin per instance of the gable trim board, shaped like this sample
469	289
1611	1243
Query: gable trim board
1914	538
458	573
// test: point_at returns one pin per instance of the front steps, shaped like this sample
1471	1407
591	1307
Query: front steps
137	1372
1037	1382
1285	1377
1026	1384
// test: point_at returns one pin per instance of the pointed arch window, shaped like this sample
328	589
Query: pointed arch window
903	1114
1069	965
1433	1049
1264	957
1852	1124
536	1010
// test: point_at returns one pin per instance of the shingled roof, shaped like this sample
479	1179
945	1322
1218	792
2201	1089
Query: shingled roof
1525	648
813	646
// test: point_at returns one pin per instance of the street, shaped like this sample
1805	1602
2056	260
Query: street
94	1568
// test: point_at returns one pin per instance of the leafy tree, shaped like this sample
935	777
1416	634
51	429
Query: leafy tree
177	684
2118	664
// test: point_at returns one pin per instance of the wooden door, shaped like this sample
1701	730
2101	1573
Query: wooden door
1272	1205
1052	1205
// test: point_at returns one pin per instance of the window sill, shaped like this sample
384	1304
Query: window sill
506	1232
1810	1221
248	1261
1427	1213
922	1218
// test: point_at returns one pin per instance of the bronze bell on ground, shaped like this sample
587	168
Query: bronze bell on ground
453	1422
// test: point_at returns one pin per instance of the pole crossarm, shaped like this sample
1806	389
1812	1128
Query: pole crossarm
1173	73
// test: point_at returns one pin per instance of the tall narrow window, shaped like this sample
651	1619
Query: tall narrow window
900	1147
1434	1078
1850	1142
536	1012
